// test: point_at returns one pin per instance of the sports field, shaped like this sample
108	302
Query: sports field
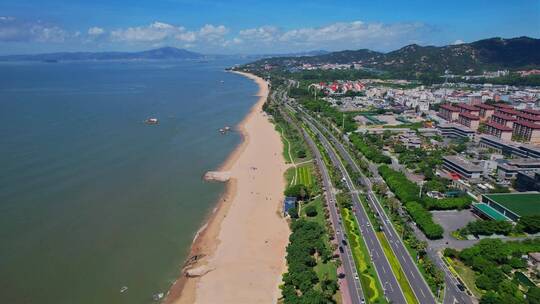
520	203
304	175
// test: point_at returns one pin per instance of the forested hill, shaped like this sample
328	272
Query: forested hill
487	54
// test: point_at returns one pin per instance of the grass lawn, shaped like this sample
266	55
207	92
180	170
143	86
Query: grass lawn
285	141
318	203
366	272
305	176
466	274
289	176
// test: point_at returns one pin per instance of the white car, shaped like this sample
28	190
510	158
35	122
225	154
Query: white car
356	276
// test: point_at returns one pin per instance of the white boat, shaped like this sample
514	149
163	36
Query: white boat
123	289
158	296
151	121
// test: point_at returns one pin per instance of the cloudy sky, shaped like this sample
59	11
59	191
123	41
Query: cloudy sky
248	26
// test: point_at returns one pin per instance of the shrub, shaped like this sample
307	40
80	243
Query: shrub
424	220
311	211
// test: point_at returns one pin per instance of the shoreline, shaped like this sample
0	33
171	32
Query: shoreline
207	239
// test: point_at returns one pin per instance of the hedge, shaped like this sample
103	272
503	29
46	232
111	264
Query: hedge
424	220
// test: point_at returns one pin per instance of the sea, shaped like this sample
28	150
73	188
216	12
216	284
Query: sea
92	199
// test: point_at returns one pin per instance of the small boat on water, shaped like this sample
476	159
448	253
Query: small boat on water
123	289
158	296
151	121
224	129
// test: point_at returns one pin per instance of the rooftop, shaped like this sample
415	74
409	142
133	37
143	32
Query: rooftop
526	203
508	111
531	112
528	116
505	117
463	163
490	212
498	126
502	105
528	124
467	107
469	116
484	106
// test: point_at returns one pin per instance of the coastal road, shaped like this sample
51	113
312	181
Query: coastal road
353	285
416	280
452	293
387	279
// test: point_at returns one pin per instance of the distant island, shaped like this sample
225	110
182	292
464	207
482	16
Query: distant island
165	53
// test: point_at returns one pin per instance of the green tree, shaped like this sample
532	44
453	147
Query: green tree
311	211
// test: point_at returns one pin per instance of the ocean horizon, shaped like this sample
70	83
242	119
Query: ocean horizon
93	199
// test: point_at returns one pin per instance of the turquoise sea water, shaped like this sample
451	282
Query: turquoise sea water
91	198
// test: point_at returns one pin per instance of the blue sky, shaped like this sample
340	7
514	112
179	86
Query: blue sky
245	26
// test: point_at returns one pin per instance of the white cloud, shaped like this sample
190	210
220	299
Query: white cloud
265	33
14	30
154	32
340	35
95	31
459	41
163	32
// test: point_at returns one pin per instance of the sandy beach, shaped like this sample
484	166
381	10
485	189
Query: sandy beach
242	246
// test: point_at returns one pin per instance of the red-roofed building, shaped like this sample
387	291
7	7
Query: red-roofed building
527	131
503	119
528	117
502	105
467	108
531	112
469	120
511	112
485	111
449	112
501	131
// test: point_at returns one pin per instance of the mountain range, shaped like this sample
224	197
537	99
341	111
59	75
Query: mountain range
487	54
155	54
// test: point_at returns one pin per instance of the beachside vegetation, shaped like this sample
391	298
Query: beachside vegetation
494	263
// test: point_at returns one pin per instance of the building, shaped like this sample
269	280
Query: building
527	131
456	131
510	205
449	112
467	108
410	140
469	120
510	168
509	148
462	167
288	203
501	131
485	111
527	181
531	112
502	119
528	117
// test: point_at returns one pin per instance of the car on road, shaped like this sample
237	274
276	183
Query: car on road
356	276
341	275
460	287
344	242
341	249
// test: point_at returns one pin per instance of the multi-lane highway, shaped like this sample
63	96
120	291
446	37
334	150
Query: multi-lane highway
387	278
416	280
452	293
353	285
